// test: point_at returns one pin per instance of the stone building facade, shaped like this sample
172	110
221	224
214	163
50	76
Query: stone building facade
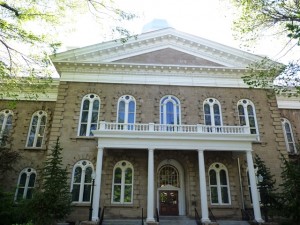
163	122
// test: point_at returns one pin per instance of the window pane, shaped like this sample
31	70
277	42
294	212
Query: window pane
206	109
23	180
207	120
217	120
214	195
127	193
77	175
34	120
39	142
75	192
94	117
20	193
84	116
250	110
289	137
242	120
241	110
128	176
43	120
224	192
118	176
29	193
287	127
83	129
223	179
31	180
86	193
212	177
96	105
117	193
86	104
216	109
88	175
131	106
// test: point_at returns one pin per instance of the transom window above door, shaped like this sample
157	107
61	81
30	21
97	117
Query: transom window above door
168	175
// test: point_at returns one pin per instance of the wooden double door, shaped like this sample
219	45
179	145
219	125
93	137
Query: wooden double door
168	203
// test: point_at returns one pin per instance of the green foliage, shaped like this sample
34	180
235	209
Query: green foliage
52	201
289	198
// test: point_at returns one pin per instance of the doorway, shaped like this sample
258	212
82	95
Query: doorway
168	203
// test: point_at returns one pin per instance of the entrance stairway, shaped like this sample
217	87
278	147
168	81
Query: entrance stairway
176	220
122	222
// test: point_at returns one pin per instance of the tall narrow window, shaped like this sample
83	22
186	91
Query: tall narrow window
25	184
170	110
122	192
5	122
89	115
82	181
219	186
126	110
247	115
37	129
288	136
212	112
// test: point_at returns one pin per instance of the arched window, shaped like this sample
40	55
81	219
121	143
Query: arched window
288	136
5	122
122	184
168	175
218	183
126	110
212	112
170	110
89	115
247	115
25	184
82	181
37	129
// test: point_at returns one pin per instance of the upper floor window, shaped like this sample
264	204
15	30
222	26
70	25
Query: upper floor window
89	115
212	112
5	122
37	129
126	109
288	136
26	183
218	183
82	181
122	183
247	115
170	110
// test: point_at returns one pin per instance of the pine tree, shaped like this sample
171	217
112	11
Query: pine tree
265	186
52	202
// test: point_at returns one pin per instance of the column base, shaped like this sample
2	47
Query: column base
96	218
205	220
260	220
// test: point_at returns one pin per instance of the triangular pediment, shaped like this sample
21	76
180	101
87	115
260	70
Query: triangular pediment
168	56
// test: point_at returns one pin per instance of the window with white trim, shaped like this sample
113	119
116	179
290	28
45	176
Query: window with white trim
6	117
288	136
122	185
247	115
82	181
168	175
218	184
89	115
126	110
25	184
37	129
212	112
170	110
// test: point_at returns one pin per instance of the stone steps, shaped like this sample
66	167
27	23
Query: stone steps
122	222
232	222
176	220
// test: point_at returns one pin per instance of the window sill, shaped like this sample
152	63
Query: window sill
114	205
81	204
82	137
34	149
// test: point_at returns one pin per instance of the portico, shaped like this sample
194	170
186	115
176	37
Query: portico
157	137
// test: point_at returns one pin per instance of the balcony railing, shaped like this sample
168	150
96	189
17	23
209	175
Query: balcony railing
151	127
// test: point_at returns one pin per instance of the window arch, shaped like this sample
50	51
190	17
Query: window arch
37	129
6	116
219	185
25	184
89	115
126	109
247	115
288	136
82	181
212	112
170	110
122	184
168	175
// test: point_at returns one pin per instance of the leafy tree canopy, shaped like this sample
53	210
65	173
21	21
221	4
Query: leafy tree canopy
28	34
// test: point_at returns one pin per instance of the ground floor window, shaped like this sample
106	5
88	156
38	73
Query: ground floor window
26	183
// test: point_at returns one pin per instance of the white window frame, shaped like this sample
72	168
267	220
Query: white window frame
6	126
176	109
126	99
211	102
284	122
40	114
123	168
218	185
91	98
245	103
83	164
28	171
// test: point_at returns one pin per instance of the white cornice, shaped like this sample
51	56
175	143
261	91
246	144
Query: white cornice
285	102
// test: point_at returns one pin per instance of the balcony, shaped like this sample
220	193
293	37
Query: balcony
168	137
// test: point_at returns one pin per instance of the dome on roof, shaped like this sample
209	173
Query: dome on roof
155	24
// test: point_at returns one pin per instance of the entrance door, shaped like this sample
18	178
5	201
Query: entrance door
168	203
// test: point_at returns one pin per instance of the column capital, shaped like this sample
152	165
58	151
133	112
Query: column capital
151	149
200	150
100	148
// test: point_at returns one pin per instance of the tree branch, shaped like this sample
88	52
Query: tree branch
16	12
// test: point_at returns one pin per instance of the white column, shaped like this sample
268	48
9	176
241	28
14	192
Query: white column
203	192
97	187
150	195
254	192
